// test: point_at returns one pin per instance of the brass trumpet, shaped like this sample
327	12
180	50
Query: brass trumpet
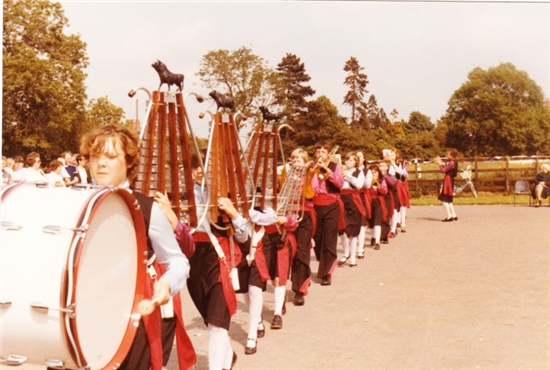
321	170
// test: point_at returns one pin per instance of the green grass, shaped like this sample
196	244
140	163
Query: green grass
483	198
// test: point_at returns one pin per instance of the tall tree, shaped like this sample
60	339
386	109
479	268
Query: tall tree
102	112
242	75
375	116
323	122
291	93
418	122
43	91
498	111
357	82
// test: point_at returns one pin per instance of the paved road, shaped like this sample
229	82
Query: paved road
472	294
467	295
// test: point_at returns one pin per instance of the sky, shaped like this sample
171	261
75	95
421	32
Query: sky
415	53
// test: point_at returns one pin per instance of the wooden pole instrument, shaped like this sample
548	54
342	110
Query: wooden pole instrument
262	156
226	172
167	126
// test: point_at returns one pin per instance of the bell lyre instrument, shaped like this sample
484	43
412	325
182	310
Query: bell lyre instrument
291	197
167	125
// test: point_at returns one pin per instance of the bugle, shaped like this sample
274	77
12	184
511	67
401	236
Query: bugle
321	169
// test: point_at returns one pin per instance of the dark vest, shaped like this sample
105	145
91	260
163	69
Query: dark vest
454	171
146	205
354	174
331	188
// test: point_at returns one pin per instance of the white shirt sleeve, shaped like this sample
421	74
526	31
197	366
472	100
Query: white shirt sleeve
167	250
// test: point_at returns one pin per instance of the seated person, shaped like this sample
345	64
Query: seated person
542	184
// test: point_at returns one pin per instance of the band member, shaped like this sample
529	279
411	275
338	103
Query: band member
365	199
301	270
268	257
401	174
113	154
447	192
393	187
172	317
354	211
377	189
326	184
209	284
388	201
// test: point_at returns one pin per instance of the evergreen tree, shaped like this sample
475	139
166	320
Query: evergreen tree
291	93
357	83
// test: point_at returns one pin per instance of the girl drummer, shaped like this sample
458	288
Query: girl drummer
113	153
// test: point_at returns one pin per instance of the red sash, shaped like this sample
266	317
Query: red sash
356	199
447	186
403	196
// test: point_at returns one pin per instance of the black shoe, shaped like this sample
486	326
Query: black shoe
261	330
403	230
251	350
325	282
392	235
455	218
376	246
277	322
385	241
299	299
447	220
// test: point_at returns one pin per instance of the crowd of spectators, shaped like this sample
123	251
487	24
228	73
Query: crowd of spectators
67	170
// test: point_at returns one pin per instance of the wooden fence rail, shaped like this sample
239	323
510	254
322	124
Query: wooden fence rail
488	174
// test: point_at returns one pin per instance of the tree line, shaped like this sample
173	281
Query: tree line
497	111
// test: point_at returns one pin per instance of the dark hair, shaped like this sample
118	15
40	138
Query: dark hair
453	152
323	144
31	158
54	165
94	144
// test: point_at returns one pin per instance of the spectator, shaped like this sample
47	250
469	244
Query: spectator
82	172
54	176
542	185
33	172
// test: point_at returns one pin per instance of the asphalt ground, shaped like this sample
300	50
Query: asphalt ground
467	295
471	294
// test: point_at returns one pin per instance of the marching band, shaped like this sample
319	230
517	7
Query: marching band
312	206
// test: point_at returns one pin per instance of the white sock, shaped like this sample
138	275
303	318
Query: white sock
279	293
254	310
394	221
403	213
353	248
345	244
218	348
361	241
377	233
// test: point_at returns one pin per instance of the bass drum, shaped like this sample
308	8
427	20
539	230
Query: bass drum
72	275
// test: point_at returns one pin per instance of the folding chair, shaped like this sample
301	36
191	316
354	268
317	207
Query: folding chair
522	188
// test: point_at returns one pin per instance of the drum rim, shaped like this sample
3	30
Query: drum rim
70	328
